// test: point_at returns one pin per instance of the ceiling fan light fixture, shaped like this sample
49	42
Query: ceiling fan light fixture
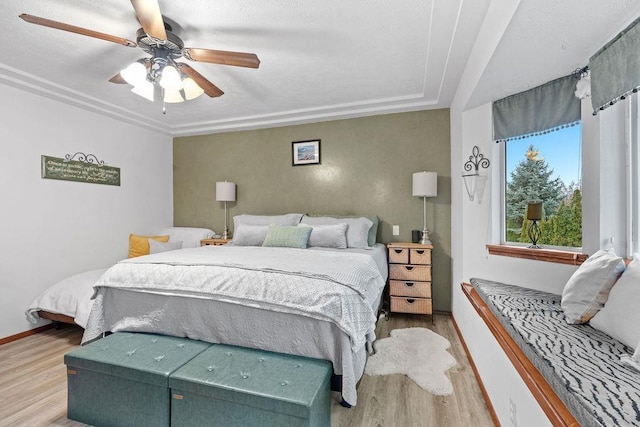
173	96
191	88
135	74
144	89
170	79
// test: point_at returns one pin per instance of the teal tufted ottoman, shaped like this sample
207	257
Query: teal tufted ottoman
234	386
122	379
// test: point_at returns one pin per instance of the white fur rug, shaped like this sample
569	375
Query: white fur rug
419	353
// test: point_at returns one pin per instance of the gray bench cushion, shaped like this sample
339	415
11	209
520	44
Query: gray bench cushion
580	363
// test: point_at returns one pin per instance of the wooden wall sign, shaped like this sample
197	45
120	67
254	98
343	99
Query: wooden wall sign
87	168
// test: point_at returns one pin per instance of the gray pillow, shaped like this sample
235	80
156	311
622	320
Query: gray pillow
357	231
287	219
156	247
249	235
287	236
328	236
373	231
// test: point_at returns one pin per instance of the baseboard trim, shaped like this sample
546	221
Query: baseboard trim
483	390
24	334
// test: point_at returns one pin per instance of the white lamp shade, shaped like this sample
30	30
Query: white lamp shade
170	79
191	89
172	96
135	74
225	192
425	184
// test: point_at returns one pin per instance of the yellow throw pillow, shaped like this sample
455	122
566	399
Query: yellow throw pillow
139	245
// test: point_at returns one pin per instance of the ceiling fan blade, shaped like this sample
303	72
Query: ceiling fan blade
239	59
148	13
208	87
78	30
118	79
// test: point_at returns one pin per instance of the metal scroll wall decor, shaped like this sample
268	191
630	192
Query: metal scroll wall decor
80	167
475	162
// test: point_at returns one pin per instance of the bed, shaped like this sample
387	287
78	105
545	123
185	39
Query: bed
69	300
316	302
321	301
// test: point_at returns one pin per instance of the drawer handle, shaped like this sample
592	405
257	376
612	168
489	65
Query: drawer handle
398	251
420	251
408	267
409	284
411	300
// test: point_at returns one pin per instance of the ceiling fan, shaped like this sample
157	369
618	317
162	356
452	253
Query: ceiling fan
160	76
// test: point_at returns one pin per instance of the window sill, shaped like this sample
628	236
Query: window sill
547	255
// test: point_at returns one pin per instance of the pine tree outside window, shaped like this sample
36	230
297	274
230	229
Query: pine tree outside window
547	168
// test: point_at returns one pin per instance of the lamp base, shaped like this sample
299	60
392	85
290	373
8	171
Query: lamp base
425	237
534	235
225	233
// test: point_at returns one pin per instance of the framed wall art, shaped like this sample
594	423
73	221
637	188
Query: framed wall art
305	152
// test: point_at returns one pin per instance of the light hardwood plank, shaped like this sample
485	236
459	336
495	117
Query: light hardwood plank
33	389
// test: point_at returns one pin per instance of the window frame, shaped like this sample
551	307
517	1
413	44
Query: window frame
502	153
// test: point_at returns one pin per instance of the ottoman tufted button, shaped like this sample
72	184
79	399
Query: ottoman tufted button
261	359
180	345
284	383
211	368
130	352
229	353
158	358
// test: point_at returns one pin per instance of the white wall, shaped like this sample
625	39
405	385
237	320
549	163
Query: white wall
52	229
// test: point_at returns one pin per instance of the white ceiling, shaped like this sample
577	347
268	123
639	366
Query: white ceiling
320	60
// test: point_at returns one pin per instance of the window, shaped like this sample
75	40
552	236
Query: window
545	168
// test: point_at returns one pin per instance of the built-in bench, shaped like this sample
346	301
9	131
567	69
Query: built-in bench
137	379
573	371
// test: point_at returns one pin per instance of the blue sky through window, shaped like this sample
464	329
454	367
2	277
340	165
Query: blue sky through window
561	149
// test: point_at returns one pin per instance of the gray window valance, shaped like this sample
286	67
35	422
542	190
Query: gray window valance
550	106
615	69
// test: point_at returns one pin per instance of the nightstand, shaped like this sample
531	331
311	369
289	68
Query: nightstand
410	278
214	242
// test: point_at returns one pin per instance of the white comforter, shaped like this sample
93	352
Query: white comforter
336	287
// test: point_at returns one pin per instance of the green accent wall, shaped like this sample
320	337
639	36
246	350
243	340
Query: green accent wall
367	166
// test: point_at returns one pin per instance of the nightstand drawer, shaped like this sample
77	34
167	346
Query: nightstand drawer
410	289
411	305
399	255
420	256
418	273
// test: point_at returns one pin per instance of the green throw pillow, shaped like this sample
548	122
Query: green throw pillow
287	236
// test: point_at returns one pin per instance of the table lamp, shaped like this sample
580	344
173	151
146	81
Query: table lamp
225	192
534	213
425	184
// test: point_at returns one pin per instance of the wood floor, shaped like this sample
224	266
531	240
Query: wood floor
33	385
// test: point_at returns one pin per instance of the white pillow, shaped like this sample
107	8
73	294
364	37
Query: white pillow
156	247
620	317
588	288
357	228
287	219
189	236
250	235
328	236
